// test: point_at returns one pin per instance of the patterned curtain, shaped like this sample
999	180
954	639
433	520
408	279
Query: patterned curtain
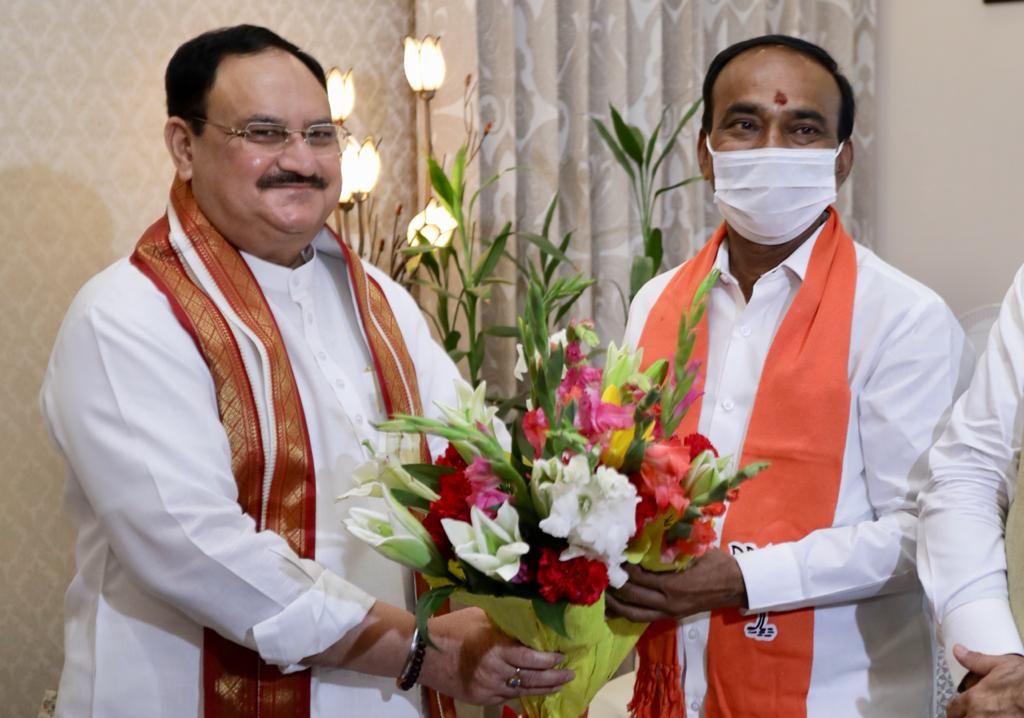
544	68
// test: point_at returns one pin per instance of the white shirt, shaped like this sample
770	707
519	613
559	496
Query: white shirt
960	552
872	652
163	547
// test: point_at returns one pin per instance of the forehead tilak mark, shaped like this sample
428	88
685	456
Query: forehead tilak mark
780	97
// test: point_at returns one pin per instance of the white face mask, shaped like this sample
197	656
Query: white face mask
773	194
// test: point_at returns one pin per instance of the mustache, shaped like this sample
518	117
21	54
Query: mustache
281	179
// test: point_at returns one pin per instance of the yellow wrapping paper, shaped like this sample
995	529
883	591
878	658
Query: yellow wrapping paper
595	649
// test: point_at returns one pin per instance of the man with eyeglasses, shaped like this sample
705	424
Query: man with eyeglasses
211	395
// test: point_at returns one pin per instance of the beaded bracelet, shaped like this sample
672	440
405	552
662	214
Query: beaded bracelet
413	662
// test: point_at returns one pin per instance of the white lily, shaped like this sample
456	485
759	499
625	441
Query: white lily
385	470
595	513
492	546
397	535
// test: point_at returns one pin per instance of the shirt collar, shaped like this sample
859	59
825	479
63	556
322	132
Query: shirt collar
276	277
796	263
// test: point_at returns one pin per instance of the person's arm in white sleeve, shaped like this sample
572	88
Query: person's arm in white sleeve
131	404
961	555
900	409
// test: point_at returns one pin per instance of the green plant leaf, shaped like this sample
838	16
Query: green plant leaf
428	474
501	330
616	151
677	185
640	273
544	245
671	142
451	340
410	500
551	615
628	137
442	186
427	606
649	152
654	250
490	259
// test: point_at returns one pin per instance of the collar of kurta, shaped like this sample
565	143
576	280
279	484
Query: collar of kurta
218	301
761	665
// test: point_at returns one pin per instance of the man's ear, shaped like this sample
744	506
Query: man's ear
178	138
844	162
704	158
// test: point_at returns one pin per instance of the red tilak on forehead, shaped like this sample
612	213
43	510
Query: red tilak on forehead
780	97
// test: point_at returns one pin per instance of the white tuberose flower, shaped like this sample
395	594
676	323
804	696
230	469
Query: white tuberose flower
595	513
491	546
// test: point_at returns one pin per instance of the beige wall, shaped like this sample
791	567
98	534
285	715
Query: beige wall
82	173
950	154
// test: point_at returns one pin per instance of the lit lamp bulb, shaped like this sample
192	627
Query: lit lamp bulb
424	64
434	225
341	94
360	167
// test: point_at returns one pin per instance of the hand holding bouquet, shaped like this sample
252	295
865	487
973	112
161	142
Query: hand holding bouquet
595	477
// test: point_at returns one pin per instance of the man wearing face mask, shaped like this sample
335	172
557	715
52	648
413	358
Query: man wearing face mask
833	366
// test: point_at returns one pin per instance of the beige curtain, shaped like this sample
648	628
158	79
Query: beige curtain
546	67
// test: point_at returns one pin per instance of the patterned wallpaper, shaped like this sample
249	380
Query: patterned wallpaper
83	172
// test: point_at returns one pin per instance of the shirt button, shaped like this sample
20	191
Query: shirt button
695	706
745	331
693	633
728	404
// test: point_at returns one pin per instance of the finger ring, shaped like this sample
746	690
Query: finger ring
515	681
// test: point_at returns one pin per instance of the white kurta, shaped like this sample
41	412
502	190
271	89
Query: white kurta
960	554
872	651
163	548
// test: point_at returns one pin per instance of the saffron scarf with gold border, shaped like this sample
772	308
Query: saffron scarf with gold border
215	297
761	666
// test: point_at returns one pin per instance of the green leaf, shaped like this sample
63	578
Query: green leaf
494	252
451	340
551	615
653	248
640	273
501	330
410	500
416	249
427	606
683	183
544	245
458	173
649	152
627	135
442	187
428	474
675	134
616	151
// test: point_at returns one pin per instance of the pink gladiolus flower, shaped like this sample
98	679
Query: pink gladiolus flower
577	380
484	492
535	426
597	418
663	473
573	353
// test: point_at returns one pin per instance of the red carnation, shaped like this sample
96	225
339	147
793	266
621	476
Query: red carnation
451	458
715	509
578	580
698	443
454	490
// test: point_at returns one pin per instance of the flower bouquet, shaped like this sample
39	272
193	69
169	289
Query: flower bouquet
595	477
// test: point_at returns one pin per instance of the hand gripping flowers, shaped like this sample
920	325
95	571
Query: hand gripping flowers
595	477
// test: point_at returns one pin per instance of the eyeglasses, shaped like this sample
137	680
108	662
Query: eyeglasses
321	138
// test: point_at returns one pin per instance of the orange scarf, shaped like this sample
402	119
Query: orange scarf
237	683
761	665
